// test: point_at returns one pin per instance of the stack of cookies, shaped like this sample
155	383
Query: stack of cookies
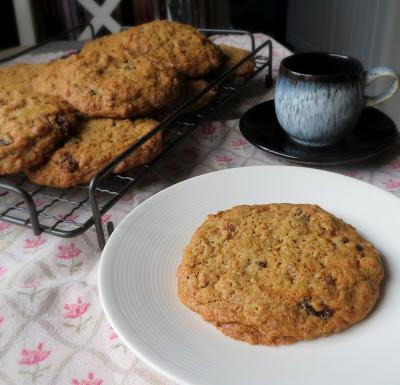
63	121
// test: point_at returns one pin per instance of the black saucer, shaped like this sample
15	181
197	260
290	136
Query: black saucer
374	133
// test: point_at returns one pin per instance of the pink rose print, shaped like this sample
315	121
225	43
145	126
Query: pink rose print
38	202
106	218
392	184
77	310
276	52
350	173
3	271
259	37
224	160
34	357
68	217
114	336
34	243
239	143
1	321
4	226
31	285
395	164
33	290
208	130
90	381
216	37
69	252
128	198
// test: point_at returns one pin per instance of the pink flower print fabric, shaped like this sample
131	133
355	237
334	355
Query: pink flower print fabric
76	310
91	380
34	358
52	328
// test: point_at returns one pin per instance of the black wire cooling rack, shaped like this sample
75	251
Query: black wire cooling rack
27	204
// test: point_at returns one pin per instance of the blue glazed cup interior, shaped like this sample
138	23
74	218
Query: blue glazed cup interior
322	65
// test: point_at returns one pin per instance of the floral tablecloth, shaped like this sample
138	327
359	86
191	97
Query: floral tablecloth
52	328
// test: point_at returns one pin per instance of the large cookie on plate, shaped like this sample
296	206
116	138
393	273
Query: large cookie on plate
97	143
279	273
30	127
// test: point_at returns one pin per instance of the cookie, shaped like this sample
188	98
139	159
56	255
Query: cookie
103	85
232	56
279	273
30	127
97	143
51	77
189	51
189	89
193	87
110	43
19	77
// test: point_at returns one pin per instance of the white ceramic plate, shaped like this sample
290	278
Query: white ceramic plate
138	286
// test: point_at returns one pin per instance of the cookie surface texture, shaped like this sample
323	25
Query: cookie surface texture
98	142
279	273
189	51
19	77
30	128
189	89
232	56
117	86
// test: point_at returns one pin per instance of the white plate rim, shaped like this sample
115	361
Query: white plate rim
102	273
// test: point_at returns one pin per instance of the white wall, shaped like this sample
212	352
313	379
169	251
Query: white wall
366	29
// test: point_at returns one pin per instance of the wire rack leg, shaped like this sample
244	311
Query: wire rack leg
29	203
96	213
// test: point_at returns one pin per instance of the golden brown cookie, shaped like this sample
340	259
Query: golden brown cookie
193	87
278	273
189	89
51	77
102	85
232	56
107	44
19	77
30	127
97	143
189	51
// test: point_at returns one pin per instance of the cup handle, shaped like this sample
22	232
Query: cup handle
377	72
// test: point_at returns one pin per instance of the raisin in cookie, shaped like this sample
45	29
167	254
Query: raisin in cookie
30	127
278	273
97	143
